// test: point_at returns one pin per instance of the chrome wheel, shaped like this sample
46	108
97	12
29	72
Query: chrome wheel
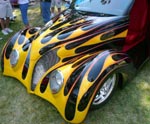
105	91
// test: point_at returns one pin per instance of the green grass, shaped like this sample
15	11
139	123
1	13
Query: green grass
128	106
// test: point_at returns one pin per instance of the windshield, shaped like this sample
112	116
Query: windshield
112	7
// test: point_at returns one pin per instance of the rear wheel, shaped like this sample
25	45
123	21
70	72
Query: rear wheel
105	92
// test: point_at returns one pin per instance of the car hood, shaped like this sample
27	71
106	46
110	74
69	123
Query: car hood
66	38
70	31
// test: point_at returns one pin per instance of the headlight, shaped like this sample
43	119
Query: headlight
14	56
56	81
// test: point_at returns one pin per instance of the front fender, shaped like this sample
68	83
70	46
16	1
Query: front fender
82	79
21	40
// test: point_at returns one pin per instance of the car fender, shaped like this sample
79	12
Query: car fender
82	79
22	41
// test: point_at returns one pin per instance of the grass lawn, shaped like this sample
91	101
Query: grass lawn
128	106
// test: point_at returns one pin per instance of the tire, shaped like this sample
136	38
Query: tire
105	92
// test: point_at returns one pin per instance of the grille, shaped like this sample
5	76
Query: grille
48	60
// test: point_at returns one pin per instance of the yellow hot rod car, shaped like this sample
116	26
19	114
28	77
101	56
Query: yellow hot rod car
77	60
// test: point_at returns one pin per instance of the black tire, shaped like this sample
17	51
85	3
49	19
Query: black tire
105	92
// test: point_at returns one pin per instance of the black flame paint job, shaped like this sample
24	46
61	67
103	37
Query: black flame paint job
87	24
2	60
10	45
94	78
26	67
83	41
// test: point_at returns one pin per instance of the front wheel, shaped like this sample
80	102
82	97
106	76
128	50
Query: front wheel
105	91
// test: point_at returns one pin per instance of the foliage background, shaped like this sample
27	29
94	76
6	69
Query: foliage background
130	105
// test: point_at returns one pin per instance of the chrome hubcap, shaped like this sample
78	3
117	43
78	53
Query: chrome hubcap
105	90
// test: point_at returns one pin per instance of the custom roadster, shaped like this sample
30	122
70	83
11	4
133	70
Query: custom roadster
78	59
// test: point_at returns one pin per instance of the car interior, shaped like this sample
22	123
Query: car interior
138	36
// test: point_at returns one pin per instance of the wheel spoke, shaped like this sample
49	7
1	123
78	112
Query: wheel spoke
105	90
